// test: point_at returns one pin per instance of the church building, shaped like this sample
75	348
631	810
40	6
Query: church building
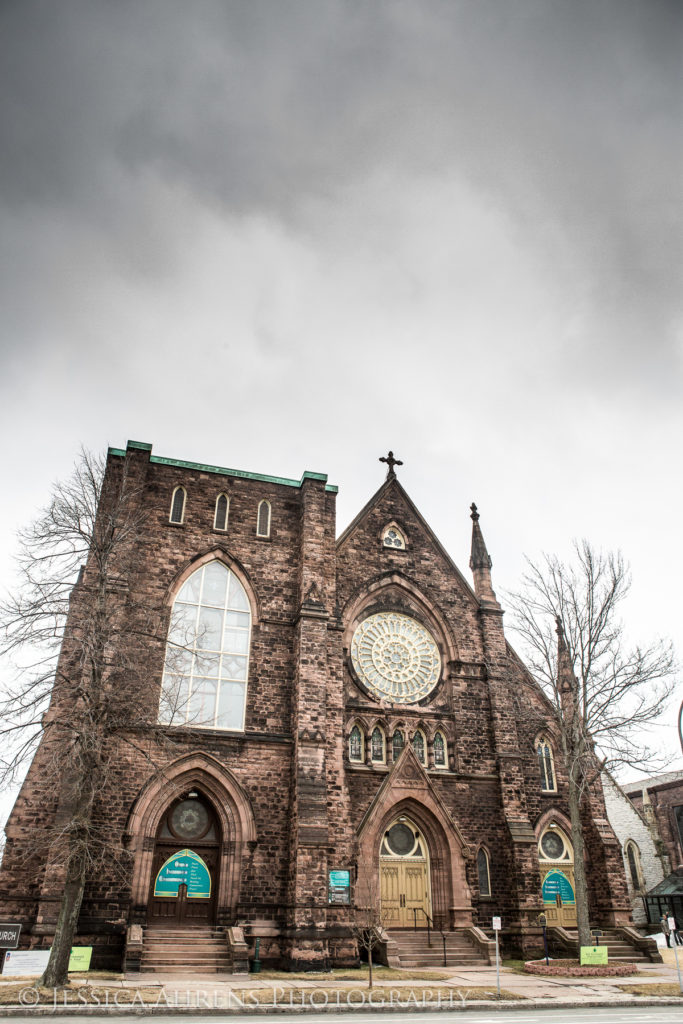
329	721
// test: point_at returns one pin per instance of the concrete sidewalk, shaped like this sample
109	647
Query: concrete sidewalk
183	993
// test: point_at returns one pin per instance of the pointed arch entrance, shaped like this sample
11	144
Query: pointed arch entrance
186	863
405	880
162	823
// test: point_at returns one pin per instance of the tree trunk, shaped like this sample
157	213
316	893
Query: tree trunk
56	973
581	887
370	964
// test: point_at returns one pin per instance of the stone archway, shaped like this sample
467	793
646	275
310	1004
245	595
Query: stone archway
235	824
408	792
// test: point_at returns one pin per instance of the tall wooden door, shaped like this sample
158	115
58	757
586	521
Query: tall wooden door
185	867
404	877
556	861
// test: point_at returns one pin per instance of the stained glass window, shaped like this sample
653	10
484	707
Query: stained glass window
263	520
356	744
396	657
439	751
178	505
393	538
377	744
419	747
397	744
545	764
483	873
220	521
207	653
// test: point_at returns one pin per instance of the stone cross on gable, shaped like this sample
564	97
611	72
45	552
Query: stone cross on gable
391	462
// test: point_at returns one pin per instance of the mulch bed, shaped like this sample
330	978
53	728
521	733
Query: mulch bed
573	969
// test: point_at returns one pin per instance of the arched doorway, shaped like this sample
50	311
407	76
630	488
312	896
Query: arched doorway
184	878
405	884
556	861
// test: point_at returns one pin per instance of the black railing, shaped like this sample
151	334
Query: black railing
430	922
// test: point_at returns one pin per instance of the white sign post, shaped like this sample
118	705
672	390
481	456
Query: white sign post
496	928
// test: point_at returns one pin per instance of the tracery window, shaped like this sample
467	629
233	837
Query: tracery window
263	519
439	751
397	743
207	653
633	857
356	744
483	873
393	538
377	745
419	747
220	519
545	763
177	505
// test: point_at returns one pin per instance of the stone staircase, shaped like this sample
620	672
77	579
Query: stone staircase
414	949
619	949
199	950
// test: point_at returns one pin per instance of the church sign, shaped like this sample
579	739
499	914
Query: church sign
339	887
593	955
556	884
184	868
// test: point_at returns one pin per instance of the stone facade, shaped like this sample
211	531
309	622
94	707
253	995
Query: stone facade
660	801
632	829
287	802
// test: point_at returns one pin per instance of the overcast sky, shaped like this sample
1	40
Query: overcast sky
280	235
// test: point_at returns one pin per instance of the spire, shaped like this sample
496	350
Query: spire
566	680
480	561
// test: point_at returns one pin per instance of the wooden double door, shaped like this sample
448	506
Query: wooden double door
404	877
184	882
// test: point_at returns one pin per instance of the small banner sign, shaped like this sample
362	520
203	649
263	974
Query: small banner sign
593	955
339	887
9	936
80	958
556	883
184	867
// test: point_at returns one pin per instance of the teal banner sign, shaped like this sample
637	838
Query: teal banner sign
339	887
184	867
554	883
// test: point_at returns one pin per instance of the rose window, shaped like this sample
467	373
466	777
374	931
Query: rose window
396	657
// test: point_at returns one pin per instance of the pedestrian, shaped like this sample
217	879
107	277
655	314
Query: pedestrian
664	924
678	938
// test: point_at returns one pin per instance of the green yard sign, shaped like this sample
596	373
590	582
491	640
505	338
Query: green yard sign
184	867
556	883
79	959
593	955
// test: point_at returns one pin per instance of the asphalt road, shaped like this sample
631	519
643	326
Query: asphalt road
586	1015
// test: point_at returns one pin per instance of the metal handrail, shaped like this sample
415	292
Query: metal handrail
430	922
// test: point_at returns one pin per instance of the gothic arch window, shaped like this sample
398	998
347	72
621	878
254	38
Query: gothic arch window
356	745
220	519
483	873
207	653
634	867
546	765
440	759
263	519
177	513
377	746
397	744
420	747
392	537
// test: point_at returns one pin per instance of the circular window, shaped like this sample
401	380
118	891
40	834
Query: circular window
189	820
400	839
552	845
396	657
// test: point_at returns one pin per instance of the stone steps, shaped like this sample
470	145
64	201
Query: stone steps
179	950
414	950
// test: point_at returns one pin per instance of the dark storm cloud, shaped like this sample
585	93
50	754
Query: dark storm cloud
567	114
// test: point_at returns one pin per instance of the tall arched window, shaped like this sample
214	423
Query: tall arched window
207	654
377	750
633	858
545	763
419	747
177	505
439	751
356	752
220	519
483	873
397	742
263	519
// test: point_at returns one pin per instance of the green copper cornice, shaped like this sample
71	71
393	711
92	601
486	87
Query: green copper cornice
223	470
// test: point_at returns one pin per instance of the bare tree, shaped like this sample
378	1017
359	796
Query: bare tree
75	691
367	927
604	692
